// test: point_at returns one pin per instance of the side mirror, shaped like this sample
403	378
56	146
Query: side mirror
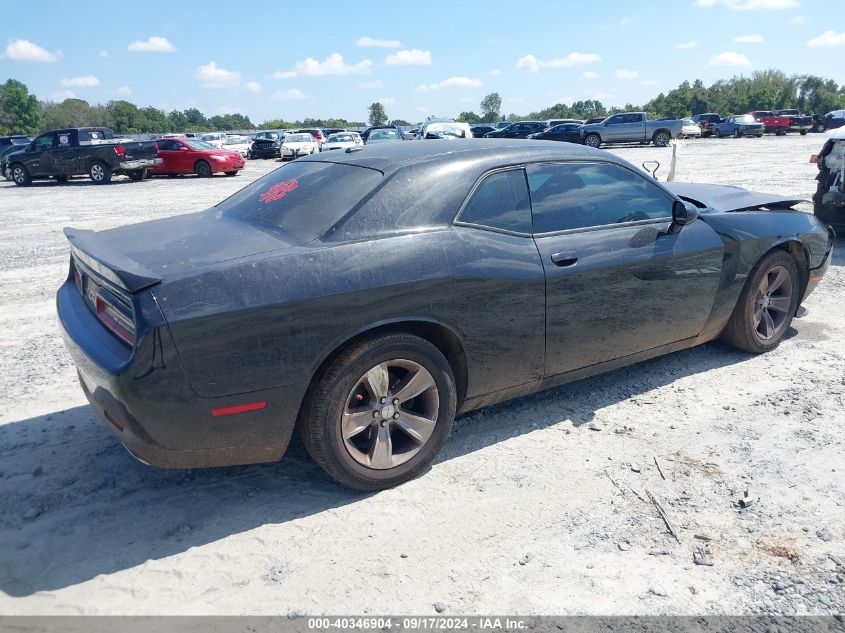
605	123
683	213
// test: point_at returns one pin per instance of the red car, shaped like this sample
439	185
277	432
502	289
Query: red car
773	123
191	156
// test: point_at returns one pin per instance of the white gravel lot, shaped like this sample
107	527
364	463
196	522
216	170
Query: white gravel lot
537	506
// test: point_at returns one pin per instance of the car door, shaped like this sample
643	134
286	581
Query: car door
618	281
169	152
42	162
614	128
635	126
66	153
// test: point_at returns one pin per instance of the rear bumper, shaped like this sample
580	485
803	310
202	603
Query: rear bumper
145	163
144	398
235	164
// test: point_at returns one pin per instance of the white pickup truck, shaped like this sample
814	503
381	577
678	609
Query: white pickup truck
631	127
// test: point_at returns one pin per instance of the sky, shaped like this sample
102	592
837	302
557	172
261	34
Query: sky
323	59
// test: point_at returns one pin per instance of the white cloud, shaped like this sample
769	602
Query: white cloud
451	82
828	39
123	91
61	95
154	44
26	51
289	95
685	46
496	71
797	20
623	74
748	39
212	76
728	59
750	5
589	74
371	85
532	64
368	41
648	82
388	101
414	57
86	81
252	86
332	65
103	54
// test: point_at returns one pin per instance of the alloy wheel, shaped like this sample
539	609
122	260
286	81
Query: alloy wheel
97	172
772	303
19	175
390	414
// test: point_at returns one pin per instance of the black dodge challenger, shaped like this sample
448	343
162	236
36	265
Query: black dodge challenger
365	297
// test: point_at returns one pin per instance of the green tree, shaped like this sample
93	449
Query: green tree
490	107
21	108
378	116
196	119
469	117
402	122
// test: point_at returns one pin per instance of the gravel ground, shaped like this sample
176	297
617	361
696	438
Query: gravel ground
538	506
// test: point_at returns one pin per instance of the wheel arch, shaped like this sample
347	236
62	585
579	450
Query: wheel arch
202	160
662	129
441	336
801	254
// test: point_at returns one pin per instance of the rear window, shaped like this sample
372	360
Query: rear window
303	199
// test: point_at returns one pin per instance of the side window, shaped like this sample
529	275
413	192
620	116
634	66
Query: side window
580	195
615	120
633	118
44	142
63	140
168	145
500	202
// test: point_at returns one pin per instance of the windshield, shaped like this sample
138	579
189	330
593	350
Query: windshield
383	135
297	138
235	140
745	118
303	199
341	138
195	144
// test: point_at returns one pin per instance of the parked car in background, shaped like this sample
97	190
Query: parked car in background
631	127
8	145
410	135
327	132
383	135
519	129
438	127
191	156
773	124
240	144
61	154
215	139
342	140
566	132
594	119
266	145
707	122
478	131
193	134
829	199
365	135
298	144
690	129
553	122
739	125
831	121
316	133
365	307
172	135
797	122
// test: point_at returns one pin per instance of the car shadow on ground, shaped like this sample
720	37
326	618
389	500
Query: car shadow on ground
77	505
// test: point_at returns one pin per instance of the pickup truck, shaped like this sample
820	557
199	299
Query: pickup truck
829	199
631	127
797	121
772	123
76	151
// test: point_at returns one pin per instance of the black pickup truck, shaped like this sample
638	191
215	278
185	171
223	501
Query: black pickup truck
797	122
76	151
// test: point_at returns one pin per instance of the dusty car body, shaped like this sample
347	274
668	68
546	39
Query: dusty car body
368	295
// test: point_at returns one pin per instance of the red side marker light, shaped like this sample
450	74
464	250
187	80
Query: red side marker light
240	408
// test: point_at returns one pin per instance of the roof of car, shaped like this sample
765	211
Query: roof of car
481	153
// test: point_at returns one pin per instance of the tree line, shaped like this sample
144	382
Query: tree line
22	113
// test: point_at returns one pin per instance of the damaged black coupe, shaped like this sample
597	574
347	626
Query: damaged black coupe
364	297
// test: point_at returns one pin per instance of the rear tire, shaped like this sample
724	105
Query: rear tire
354	417
661	139
592	140
203	169
21	175
100	173
737	134
766	305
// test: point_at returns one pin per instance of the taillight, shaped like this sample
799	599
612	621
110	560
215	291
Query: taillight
77	278
118	149
114	319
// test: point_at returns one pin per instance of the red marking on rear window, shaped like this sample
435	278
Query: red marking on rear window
241	408
278	191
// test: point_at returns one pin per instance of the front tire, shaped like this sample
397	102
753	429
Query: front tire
100	173
766	305
592	140
21	176
381	412
203	169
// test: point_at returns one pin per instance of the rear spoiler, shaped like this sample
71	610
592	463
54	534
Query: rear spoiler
96	253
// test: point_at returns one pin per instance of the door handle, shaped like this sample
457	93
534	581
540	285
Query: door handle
566	258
